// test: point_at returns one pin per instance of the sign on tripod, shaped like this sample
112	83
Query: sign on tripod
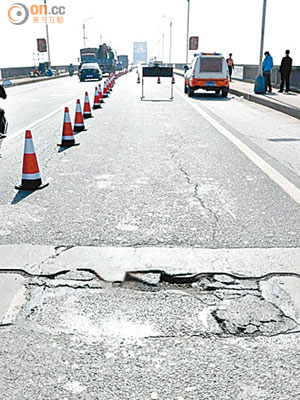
158	72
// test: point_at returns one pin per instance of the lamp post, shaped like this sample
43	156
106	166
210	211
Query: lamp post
187	33
162	47
83	28
171	27
259	87
262	36
47	34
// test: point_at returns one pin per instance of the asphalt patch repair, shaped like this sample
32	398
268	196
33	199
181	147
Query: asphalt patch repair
154	304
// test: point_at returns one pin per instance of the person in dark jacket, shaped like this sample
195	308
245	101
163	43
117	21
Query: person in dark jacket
2	92
285	71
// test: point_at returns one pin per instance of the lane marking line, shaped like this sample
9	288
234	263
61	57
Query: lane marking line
33	124
42	119
292	190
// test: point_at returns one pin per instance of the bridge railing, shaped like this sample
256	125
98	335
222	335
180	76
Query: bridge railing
248	73
22	72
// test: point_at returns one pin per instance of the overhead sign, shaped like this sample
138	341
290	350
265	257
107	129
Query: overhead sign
41	45
194	43
165	72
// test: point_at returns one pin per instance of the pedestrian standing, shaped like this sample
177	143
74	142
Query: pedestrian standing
230	64
285	71
266	69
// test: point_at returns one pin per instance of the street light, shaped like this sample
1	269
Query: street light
171	26
83	28
187	33
259	87
47	35
262	36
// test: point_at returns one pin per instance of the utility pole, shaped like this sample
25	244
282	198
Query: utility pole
47	34
83	28
84	37
170	52
171	26
259	87
262	37
187	33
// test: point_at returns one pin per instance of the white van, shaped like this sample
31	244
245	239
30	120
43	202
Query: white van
208	71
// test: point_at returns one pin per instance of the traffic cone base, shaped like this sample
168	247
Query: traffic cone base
32	185
158	80
68	143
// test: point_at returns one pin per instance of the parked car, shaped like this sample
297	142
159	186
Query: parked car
90	71
208	71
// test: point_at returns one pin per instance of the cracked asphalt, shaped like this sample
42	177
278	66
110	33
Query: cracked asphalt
160	262
213	336
145	174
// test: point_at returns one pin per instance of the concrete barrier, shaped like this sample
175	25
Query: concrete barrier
23	72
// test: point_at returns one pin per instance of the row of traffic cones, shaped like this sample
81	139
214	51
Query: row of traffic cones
158	79
31	176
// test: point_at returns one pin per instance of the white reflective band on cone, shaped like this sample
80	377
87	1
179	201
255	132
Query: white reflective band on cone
67	117
78	124
31	177
71	137
29	147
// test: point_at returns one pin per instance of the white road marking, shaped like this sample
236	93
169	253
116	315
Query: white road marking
292	190
38	121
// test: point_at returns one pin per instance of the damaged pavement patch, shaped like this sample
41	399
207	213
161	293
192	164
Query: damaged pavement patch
155	305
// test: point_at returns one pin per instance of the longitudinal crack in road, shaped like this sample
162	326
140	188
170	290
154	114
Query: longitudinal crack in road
200	200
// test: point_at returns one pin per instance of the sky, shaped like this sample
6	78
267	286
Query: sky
223	26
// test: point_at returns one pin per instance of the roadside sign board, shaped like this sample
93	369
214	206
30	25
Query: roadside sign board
194	43
41	45
163	72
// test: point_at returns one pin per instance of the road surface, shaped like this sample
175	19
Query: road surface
207	186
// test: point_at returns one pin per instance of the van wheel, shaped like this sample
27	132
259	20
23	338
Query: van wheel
224	93
190	91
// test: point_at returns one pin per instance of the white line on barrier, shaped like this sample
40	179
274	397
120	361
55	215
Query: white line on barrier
292	190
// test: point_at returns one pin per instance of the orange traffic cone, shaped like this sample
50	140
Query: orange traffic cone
67	139
87	113
138	79
158	80
96	100
173	80
100	94
105	90
31	177
78	124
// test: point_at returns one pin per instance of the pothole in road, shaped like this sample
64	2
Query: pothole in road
156	304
